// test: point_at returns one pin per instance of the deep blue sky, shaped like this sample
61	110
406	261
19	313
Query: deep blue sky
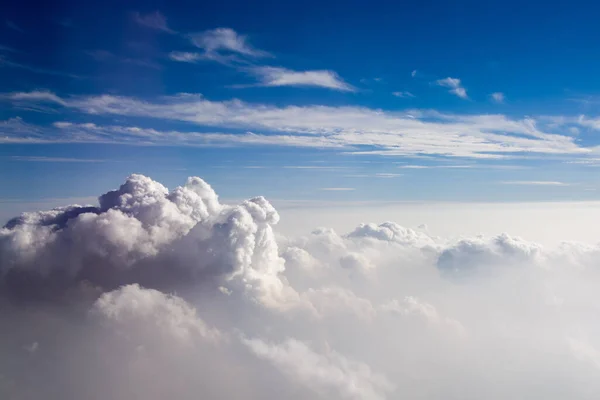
469	101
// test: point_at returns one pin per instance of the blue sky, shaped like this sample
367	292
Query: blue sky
469	101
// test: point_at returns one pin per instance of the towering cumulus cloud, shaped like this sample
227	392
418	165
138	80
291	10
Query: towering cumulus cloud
156	293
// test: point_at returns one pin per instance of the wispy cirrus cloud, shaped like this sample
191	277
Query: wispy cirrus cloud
230	48
55	159
106	56
359	129
185	56
14	26
154	20
5	62
454	85
7	49
536	183
338	189
403	94
225	40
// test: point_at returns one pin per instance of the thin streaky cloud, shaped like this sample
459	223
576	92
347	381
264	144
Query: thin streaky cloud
536	183
215	41
416	133
338	189
7	63
185	56
55	159
13	26
404	94
7	49
154	20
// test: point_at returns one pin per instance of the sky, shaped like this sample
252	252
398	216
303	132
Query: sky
338	101
317	200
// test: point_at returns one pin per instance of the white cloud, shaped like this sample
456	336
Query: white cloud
223	40
156	292
536	183
37	95
413	73
153	20
498	97
185	56
328	374
338	189
403	94
454	85
277	76
362	130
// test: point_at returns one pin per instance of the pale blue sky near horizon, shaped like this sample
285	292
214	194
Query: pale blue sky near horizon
324	101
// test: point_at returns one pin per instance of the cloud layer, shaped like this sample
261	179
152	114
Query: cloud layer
357	129
156	292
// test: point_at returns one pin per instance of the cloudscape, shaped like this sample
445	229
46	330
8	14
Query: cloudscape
299	201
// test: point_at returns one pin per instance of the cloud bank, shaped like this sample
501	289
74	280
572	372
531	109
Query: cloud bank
155	292
359	130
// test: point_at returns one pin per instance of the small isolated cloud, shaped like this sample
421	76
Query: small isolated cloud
413	73
217	41
277	76
153	20
497	97
337	189
13	26
404	95
454	85
536	183
185	56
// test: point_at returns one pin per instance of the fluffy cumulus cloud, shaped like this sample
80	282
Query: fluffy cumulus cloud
156	292
454	85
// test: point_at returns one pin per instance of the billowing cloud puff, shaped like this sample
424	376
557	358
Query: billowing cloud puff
156	293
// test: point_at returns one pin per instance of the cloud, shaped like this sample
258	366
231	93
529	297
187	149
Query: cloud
184	56
328	374
497	97
358	129
4	62
454	85
7	49
156	292
536	183
277	76
14	26
153	20
338	189
107	56
413	73
221	41
403	94
54	159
